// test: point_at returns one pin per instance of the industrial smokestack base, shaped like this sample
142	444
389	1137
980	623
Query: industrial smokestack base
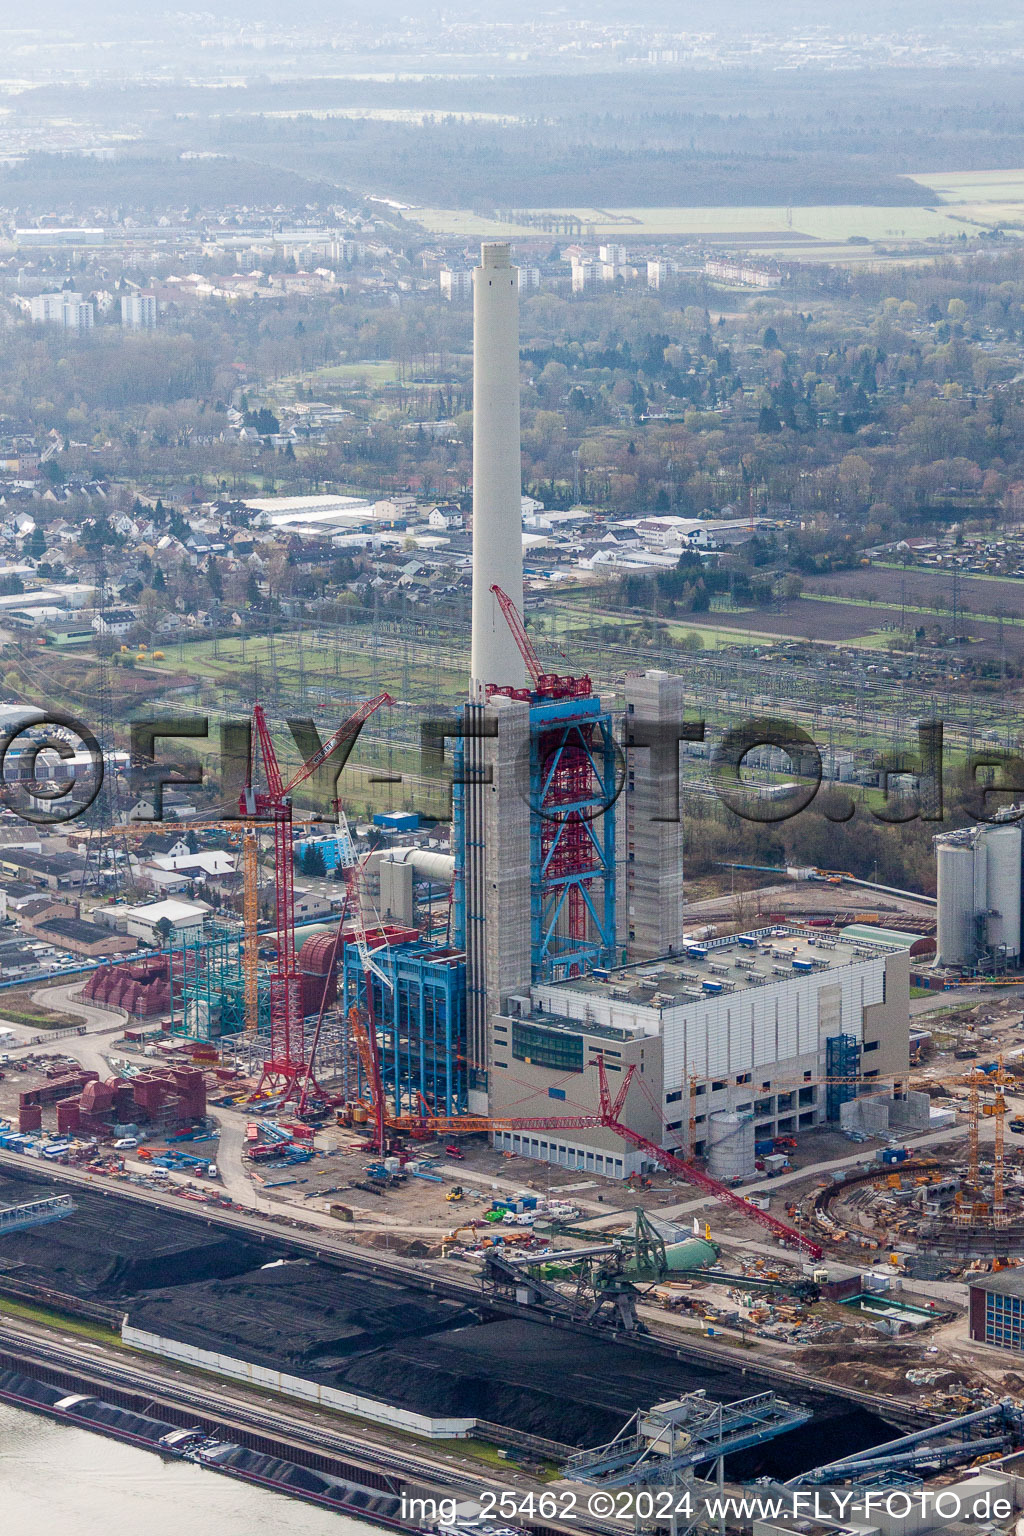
497	470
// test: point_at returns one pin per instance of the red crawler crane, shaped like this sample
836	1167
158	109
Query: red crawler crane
672	1164
286	1069
607	1118
548	684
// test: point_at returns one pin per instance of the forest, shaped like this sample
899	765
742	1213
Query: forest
705	137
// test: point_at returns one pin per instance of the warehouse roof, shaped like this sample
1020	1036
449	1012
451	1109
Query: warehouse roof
1010	1282
76	929
174	911
868	933
763	957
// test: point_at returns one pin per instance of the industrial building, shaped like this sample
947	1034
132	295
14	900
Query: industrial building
996	1313
650	919
564	945
735	1042
979	894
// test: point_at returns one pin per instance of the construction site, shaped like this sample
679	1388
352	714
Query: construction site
512	1137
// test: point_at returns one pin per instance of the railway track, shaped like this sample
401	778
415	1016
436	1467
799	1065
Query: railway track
99	1370
416	1274
28	1347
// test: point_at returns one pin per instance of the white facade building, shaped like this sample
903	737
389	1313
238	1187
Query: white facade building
455	285
750	1026
139	311
146	922
69	310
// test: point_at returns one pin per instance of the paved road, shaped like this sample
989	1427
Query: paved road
964	997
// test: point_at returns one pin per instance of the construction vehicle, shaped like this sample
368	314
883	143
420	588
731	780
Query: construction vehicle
607	1118
454	1194
452	1239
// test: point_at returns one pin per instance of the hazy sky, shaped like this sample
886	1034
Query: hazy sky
888	15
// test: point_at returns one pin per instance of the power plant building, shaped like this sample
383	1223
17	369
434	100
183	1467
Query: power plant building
565	945
751	1025
568	888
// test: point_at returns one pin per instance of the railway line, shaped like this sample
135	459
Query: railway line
664	1342
224	1412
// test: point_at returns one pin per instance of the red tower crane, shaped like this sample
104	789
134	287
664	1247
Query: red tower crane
286	1068
549	684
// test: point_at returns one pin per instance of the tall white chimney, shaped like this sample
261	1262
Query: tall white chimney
497	472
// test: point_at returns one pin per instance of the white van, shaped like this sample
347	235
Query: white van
126	1144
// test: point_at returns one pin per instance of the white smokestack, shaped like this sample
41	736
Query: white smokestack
497	473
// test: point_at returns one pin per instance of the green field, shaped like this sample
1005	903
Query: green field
989	198
356	373
975	186
836	224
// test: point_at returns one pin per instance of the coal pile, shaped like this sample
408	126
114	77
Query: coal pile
117	1248
264	1303
545	1381
311	1319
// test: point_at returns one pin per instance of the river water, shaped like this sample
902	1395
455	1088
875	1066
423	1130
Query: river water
54	1478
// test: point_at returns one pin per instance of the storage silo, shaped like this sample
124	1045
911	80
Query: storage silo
730	1145
957	934
1002	846
695	1253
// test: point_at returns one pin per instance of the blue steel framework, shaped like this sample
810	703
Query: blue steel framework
208	984
420	1021
574	779
842	1060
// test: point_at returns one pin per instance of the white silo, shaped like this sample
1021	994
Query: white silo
730	1145
497	470
957	932
1002	845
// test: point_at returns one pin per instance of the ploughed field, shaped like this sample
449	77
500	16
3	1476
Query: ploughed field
882	584
872	599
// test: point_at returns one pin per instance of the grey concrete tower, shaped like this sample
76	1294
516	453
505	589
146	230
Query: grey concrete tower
649	829
497	470
497	876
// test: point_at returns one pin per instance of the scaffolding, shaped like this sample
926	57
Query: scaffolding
842	1073
208	984
574	782
420	1023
